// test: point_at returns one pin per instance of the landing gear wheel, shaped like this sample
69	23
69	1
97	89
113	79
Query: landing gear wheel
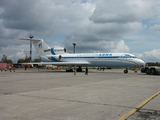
70	70
147	71
153	71
79	69
135	71
125	71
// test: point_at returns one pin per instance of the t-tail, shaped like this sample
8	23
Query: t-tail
43	49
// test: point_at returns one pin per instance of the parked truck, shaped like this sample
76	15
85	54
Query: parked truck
6	67
151	70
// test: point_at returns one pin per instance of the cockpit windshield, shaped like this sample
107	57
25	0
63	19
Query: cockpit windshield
133	57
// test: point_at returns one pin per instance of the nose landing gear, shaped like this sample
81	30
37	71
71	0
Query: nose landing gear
126	71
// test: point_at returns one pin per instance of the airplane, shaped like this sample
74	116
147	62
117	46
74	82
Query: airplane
59	57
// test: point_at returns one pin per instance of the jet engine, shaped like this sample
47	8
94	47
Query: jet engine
60	50
55	58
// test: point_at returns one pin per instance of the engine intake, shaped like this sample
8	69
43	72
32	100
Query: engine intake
60	57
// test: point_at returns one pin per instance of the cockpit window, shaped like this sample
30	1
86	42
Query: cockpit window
133	57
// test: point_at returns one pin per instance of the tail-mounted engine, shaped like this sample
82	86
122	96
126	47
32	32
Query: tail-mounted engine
59	50
55	58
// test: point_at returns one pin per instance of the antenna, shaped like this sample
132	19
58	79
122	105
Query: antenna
31	36
74	46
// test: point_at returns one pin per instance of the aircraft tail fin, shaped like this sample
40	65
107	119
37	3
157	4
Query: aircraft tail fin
41	47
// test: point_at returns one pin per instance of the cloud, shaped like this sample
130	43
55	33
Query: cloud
94	36
150	56
42	18
14	53
155	28
121	47
99	26
123	11
100	46
9	36
21	54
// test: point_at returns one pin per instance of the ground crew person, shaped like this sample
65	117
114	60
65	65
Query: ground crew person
86	73
75	70
25	66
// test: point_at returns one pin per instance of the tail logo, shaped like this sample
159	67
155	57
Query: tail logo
40	45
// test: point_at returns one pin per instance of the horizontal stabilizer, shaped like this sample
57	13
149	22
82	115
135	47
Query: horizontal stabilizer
30	39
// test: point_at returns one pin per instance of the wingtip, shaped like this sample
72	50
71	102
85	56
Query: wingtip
20	38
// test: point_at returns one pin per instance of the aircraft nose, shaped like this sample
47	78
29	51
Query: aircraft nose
141	63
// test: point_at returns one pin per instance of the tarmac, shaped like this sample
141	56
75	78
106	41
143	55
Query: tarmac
58	95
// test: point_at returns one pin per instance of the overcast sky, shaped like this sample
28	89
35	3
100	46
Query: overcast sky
131	26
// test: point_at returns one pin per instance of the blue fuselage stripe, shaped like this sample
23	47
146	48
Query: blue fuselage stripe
100	57
52	51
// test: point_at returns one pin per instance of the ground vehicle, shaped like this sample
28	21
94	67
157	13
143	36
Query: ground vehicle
153	70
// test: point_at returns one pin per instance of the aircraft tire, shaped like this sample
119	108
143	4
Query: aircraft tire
69	70
135	71
125	71
147	71
153	71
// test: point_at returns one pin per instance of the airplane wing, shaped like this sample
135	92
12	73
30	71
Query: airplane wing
61	63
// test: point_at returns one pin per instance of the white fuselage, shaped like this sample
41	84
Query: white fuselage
98	59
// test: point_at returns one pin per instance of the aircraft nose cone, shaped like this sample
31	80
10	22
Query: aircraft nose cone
141	63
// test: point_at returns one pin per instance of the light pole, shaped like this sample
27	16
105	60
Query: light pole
31	36
74	47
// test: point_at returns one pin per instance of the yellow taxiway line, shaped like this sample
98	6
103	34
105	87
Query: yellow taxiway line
138	107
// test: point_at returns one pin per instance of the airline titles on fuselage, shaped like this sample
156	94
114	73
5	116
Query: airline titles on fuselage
94	55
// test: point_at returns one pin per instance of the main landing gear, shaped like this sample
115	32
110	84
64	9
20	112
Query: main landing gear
126	71
79	69
69	70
